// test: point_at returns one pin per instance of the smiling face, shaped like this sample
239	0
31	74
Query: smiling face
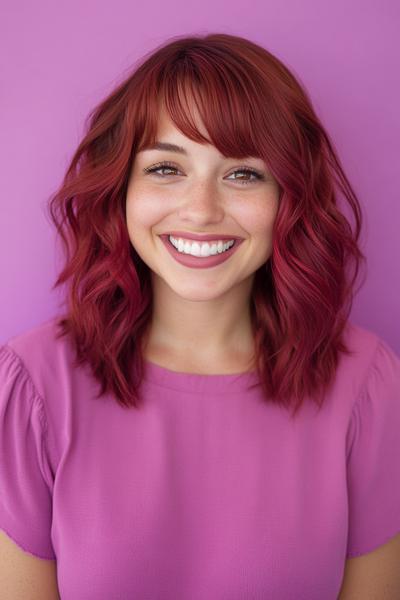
200	191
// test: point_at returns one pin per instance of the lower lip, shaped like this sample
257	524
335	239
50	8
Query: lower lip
200	262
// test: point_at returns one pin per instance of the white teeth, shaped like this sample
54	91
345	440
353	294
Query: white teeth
200	248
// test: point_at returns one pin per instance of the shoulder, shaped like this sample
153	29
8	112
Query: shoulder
41	357
40	339
371	360
361	341
40	347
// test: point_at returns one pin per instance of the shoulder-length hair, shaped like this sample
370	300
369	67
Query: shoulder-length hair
251	105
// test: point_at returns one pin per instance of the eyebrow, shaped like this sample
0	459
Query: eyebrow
167	147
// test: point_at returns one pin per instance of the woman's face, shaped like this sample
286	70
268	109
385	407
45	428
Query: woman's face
200	194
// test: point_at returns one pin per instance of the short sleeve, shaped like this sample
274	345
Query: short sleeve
25	474
373	462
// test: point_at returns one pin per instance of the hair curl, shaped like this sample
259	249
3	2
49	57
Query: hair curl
251	105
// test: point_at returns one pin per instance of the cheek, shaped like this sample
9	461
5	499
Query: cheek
143	212
136	219
259	222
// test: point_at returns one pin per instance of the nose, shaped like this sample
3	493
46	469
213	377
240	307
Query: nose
202	203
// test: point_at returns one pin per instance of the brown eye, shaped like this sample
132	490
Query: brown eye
258	176
160	167
170	167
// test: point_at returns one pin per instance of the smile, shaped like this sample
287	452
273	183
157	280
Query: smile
200	248
219	254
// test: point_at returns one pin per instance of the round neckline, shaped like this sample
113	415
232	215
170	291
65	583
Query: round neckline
217	383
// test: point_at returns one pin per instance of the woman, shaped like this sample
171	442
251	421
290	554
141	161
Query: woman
202	421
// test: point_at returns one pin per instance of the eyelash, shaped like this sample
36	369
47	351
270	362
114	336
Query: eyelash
259	176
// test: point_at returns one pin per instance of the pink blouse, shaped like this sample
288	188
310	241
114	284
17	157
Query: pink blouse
206	492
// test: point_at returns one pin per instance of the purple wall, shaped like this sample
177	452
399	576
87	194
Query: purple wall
59	59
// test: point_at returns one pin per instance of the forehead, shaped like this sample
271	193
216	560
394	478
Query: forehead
167	129
169	138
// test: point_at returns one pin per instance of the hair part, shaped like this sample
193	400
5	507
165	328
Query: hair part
251	105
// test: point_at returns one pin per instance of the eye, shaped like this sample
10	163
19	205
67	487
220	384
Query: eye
170	167
258	176
160	167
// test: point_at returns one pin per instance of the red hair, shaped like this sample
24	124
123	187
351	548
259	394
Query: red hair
251	105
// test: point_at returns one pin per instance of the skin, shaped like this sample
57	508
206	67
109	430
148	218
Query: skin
201	317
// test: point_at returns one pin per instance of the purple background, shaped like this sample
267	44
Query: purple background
58	60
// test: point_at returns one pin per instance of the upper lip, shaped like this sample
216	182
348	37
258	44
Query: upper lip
201	237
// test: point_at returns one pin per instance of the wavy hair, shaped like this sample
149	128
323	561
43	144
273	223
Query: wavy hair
251	105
